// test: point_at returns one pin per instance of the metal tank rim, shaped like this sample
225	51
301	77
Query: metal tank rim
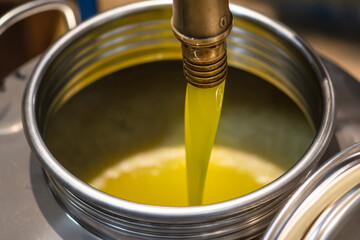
163	214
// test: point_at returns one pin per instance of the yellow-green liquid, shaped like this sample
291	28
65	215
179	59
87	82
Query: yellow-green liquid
202	113
109	137
158	176
192	175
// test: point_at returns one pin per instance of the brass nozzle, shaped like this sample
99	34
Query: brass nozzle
202	27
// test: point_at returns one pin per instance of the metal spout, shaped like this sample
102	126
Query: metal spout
202	27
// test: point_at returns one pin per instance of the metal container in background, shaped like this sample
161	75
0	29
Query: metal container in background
327	205
8	103
140	33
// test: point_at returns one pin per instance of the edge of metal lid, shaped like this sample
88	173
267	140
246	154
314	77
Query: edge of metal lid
336	217
310	213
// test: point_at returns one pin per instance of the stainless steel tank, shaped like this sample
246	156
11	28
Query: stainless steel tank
141	33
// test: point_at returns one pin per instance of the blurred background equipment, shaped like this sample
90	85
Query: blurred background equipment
28	38
88	8
332	27
339	18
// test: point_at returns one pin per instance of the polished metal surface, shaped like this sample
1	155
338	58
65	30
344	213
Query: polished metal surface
141	33
202	27
29	211
324	203
339	220
201	19
10	117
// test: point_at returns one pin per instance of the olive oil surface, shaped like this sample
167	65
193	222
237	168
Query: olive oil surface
139	112
158	177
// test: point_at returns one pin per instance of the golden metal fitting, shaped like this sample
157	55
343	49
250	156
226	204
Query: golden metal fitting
202	30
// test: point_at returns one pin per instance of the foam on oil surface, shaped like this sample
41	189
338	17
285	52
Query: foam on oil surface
158	176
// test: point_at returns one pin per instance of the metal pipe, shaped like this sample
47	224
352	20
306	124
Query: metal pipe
202	27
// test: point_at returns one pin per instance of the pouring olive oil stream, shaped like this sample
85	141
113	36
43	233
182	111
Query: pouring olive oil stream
202	28
202	113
